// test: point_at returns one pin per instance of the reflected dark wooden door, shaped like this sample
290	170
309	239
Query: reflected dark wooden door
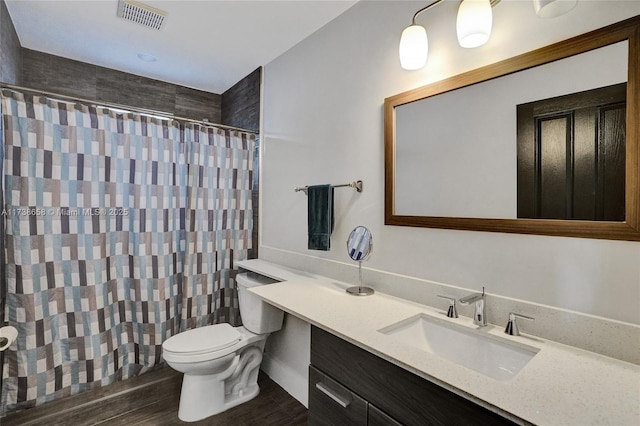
571	156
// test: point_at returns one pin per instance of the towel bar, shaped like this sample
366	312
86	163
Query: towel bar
357	185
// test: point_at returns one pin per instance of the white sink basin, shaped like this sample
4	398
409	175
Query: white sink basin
486	354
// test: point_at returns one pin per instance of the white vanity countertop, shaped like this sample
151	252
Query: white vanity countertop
561	385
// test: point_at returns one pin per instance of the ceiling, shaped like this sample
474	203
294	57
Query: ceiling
207	45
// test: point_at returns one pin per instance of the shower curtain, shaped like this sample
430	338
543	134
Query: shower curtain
219	222
121	230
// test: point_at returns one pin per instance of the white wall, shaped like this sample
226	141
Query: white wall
323	123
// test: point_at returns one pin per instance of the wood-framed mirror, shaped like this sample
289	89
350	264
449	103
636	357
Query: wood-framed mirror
424	161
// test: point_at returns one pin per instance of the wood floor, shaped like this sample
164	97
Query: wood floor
152	399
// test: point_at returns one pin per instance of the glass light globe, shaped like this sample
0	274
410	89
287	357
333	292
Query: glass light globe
474	22
553	8
414	47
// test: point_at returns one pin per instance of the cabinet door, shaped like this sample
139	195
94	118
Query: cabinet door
379	418
331	404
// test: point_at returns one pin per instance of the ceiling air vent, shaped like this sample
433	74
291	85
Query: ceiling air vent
141	14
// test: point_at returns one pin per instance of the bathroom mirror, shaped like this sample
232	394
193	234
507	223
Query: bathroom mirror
359	243
436	135
359	246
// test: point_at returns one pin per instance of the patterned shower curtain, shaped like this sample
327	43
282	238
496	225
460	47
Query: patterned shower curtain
219	222
119	233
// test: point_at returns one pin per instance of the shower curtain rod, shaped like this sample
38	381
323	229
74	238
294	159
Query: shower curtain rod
123	107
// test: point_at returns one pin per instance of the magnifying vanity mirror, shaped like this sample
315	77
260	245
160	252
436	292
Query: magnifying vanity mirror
359	246
534	144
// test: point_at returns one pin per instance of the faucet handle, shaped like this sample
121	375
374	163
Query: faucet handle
512	324
452	312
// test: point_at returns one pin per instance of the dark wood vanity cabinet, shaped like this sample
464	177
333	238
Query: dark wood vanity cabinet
350	386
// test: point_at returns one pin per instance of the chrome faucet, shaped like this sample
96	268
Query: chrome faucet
479	318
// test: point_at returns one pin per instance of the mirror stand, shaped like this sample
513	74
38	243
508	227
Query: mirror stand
360	290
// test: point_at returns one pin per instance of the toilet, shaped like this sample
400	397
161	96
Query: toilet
220	362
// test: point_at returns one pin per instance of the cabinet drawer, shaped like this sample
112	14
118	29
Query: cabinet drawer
331	404
378	418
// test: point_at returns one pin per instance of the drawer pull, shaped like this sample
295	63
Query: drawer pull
325	390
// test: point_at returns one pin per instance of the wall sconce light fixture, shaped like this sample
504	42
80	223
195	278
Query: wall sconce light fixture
474	23
414	47
473	26
553	8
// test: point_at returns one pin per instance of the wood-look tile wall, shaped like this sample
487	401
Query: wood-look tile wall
241	103
241	108
79	79
10	50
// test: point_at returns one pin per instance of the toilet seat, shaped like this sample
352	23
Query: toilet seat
201	340
207	343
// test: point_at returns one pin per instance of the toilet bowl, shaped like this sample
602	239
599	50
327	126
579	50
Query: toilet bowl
220	362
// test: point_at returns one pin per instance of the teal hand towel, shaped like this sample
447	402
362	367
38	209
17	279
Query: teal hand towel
320	217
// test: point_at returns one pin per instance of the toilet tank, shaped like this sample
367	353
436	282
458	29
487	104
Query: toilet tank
257	315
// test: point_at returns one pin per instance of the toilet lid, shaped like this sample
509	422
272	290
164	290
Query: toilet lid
203	339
